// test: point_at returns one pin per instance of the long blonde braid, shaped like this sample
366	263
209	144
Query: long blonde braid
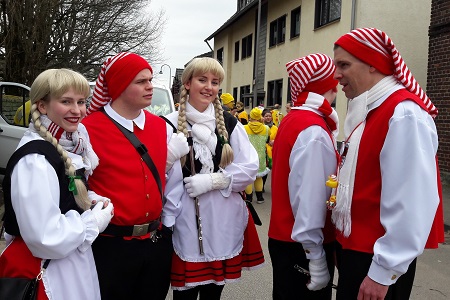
181	126
227	152
81	198
196	66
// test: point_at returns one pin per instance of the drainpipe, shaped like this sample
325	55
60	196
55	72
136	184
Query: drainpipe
352	22
255	89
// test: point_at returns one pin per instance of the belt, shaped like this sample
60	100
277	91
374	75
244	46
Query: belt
133	230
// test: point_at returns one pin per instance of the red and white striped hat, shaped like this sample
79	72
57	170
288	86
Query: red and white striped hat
115	75
375	48
311	73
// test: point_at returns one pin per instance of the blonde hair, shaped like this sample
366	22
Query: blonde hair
50	84
196	67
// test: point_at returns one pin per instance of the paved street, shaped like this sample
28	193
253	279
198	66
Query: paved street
432	276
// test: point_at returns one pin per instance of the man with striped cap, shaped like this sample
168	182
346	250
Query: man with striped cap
304	155
133	255
388	190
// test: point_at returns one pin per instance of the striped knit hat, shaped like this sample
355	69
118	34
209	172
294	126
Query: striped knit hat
311	73
116	74
376	49
311	76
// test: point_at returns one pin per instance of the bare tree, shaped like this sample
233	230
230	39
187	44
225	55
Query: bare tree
79	34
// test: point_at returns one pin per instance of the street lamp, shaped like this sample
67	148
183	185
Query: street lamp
170	73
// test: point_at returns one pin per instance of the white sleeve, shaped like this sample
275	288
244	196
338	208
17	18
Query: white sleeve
174	189
409	197
35	199
244	167
312	160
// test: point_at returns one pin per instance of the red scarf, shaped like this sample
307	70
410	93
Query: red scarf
318	103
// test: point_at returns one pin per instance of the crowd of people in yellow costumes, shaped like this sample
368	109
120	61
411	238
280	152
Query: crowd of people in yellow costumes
261	125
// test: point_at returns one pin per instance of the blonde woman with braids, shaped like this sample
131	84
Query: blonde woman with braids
47	205
225	163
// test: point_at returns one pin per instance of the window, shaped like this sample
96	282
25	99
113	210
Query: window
236	51
277	31
220	55
327	11
295	22
245	93
246	46
235	93
275	92
15	104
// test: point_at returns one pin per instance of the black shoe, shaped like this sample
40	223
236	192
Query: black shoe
259	197
248	197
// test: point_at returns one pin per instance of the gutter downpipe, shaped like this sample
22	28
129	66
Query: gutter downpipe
255	89
352	22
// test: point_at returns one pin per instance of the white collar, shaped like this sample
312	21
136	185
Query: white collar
139	121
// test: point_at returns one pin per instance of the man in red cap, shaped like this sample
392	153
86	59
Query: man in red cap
304	155
133	255
388	190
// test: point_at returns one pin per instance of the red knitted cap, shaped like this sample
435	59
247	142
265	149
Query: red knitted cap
376	49
311	73
116	74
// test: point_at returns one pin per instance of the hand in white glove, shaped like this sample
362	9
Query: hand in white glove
318	271
203	183
177	148
198	184
103	214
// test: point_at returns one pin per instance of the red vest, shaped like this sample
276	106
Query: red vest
366	227
122	175
281	217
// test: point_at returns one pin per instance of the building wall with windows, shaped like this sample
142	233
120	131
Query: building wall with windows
321	22
438	83
238	70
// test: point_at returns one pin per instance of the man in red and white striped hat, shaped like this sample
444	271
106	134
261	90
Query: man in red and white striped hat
133	255
387	197
304	155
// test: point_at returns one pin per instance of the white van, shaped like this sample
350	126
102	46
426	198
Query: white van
162	101
13	118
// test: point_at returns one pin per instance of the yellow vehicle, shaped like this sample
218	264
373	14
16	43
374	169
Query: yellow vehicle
20	115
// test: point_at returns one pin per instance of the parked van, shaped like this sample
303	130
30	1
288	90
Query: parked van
14	118
162	101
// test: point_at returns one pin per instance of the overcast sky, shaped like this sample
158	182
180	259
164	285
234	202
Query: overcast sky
189	23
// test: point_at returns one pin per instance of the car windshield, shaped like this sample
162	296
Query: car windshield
161	102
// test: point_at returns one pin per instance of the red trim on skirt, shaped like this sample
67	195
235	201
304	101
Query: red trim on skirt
17	261
190	274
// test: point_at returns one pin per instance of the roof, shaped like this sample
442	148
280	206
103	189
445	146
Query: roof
233	19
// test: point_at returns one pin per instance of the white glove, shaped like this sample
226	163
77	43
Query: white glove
203	183
318	271
220	181
102	215
177	148
198	184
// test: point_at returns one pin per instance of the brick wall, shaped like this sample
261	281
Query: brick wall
438	79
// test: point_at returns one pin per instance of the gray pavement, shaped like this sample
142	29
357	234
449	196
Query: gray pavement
432	275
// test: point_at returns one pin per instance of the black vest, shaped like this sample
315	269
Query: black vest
66	199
